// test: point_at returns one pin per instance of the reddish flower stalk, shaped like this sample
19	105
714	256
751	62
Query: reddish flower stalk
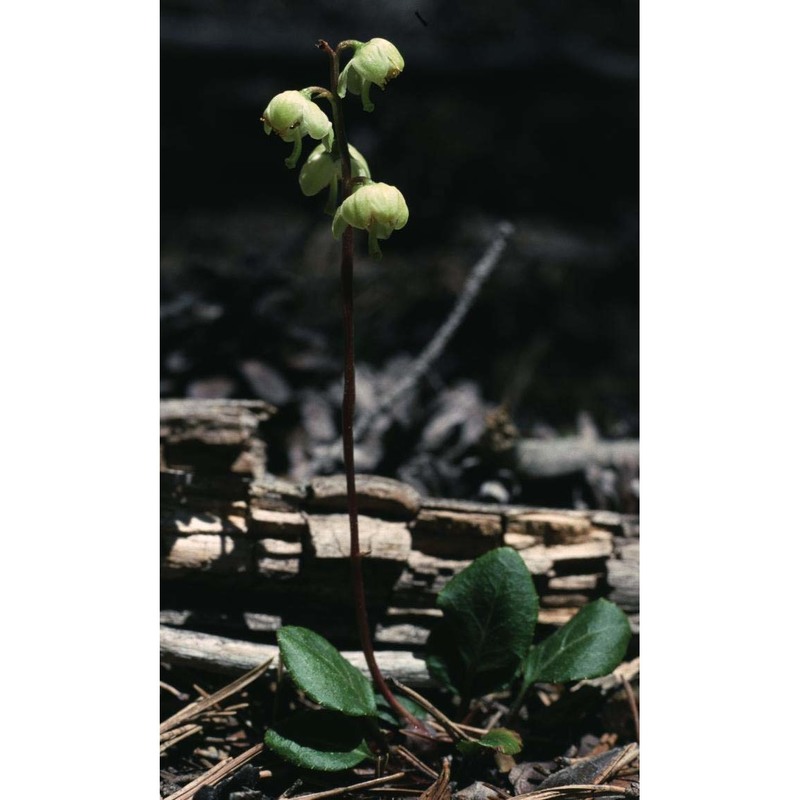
349	398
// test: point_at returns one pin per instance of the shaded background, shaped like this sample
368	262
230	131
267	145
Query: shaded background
526	111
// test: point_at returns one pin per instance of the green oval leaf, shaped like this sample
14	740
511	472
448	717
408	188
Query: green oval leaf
322	740
591	644
498	740
319	670
490	611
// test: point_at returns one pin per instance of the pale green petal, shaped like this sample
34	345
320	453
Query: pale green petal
366	103
354	81
330	204
339	223
285	111
358	164
341	89
318	172
383	230
378	61
379	207
315	121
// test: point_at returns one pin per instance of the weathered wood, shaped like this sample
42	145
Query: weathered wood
288	525
623	577
376	496
329	536
550	527
217	654
205	553
266	549
214	435
307	552
456	534
276	494
551	458
212	423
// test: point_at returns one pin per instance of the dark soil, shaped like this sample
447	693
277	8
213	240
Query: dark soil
569	737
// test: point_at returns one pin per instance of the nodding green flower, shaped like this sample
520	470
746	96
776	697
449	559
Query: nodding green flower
377	208
376	61
293	115
321	170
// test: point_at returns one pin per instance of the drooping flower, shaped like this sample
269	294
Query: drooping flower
376	61
321	169
377	208
293	115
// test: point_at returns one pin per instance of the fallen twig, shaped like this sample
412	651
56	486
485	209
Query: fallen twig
175	735
216	773
454	729
480	272
551	458
209	701
351	788
219	654
415	762
440	788
627	755
574	792
632	701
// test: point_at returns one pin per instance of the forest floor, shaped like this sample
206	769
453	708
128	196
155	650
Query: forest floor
524	368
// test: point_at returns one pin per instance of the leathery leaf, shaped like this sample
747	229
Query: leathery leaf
591	644
319	670
490	611
322	740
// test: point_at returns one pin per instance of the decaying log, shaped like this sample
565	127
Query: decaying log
329	538
217	654
215	436
305	555
550	458
244	552
377	496
456	533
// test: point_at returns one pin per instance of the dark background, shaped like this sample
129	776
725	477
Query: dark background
526	111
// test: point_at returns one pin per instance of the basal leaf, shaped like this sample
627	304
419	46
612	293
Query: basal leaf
320	671
490	611
499	740
591	644
322	740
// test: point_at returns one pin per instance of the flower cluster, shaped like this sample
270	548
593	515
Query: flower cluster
377	208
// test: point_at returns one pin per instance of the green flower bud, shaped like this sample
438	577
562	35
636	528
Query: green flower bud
374	207
377	61
293	115
320	170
